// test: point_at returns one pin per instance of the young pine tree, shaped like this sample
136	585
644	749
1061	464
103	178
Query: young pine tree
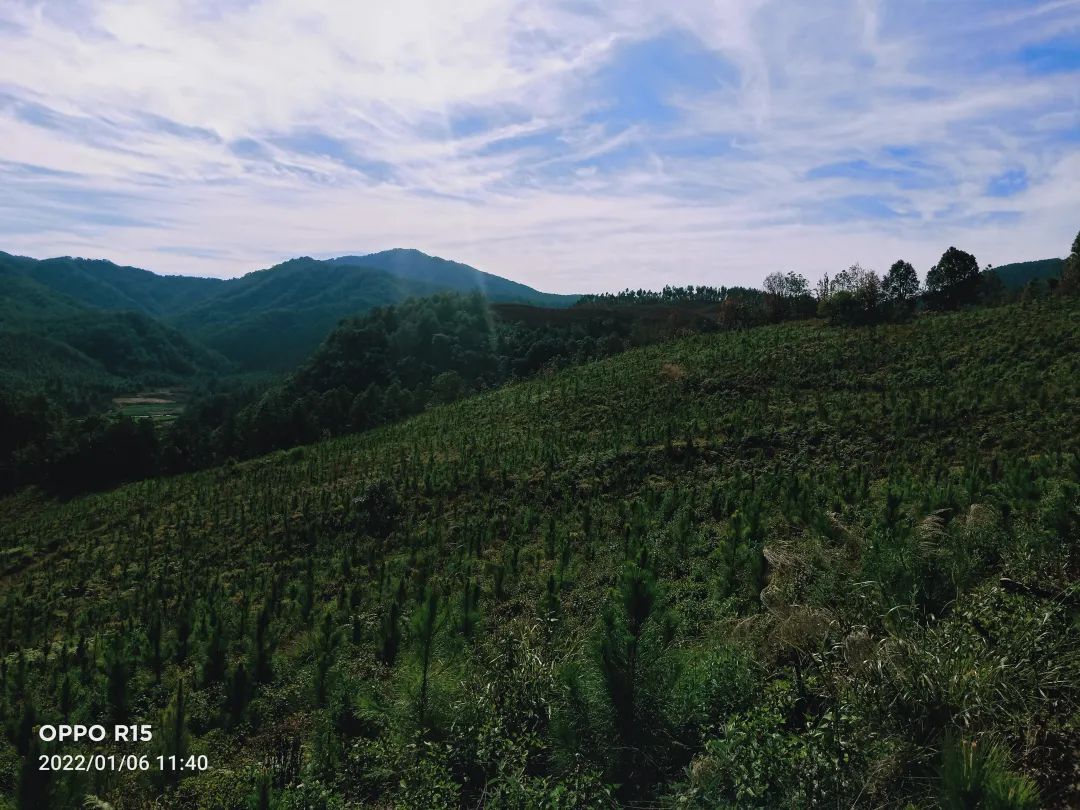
172	735
424	627
624	623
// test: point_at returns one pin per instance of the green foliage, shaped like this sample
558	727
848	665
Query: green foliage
974	775
767	567
171	734
1017	275
900	288
954	280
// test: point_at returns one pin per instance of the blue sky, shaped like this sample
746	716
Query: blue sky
575	146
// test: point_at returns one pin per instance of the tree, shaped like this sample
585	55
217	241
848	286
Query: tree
117	675
991	287
954	280
236	700
448	387
154	636
901	283
326	640
786	296
262	669
1070	273
424	626
214	661
33	781
852	297
625	617
172	734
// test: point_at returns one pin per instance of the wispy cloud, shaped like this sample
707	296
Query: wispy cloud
573	145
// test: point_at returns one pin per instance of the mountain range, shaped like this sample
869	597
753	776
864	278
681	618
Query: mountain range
123	326
268	320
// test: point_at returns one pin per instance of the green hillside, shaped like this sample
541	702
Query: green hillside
453	276
272	319
31	363
1016	276
790	566
73	325
101	284
133	345
268	320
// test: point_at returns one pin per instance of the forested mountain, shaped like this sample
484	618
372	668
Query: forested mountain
99	284
266	320
453	276
78	351
789	566
273	319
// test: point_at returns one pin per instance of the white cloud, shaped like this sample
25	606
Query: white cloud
473	130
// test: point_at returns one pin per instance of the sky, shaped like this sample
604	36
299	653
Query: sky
575	146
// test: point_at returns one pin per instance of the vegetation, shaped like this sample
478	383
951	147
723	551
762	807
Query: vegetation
377	368
268	320
789	566
397	361
1018	275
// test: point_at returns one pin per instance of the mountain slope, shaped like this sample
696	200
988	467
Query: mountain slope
453	276
23	300
780	567
266	320
1016	276
273	319
104	285
54	341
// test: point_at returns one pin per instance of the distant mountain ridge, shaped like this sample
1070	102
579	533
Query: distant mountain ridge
265	320
407	263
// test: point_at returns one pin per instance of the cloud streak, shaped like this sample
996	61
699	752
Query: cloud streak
570	145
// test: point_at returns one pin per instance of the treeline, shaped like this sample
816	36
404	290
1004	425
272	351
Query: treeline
855	295
670	294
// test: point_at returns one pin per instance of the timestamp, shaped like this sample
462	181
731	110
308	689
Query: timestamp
188	763
121	762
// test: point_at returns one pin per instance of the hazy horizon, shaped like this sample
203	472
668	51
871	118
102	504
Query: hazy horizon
567	146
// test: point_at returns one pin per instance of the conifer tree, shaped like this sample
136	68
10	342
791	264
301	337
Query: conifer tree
33	781
325	643
172	734
236	701
154	637
624	622
214	664
117	675
424	626
261	668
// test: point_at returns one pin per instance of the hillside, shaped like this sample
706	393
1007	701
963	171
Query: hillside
54	341
1016	276
272	319
267	320
32	363
790	566
101	284
84	329
452	276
